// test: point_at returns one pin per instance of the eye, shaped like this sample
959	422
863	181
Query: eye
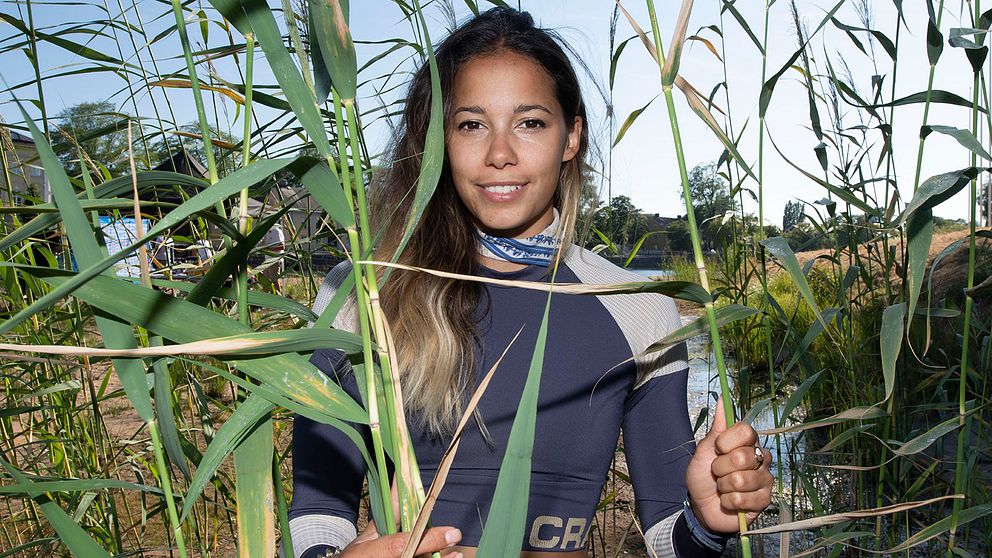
470	125
533	123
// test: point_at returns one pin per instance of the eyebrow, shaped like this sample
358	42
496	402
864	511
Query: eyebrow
476	109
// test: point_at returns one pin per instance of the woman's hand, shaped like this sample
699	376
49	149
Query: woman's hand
725	476
370	545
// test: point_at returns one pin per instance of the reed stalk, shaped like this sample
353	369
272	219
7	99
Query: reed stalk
697	250
960	466
194	82
363	304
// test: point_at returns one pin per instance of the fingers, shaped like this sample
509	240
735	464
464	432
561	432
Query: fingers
742	484
719	418
743	481
739	435
391	546
755	501
740	459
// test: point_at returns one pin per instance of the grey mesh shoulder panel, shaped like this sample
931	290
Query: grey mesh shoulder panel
643	317
347	318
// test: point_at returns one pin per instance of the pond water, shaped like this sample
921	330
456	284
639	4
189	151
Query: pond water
704	386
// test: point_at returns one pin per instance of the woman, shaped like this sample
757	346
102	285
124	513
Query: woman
505	207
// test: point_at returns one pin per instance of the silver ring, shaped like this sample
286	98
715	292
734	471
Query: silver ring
759	456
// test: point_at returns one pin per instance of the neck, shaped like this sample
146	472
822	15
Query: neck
503	266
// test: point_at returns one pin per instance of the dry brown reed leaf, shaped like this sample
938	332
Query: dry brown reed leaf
854	413
671	67
213	141
185	84
563	288
217	346
640	32
449	456
831	519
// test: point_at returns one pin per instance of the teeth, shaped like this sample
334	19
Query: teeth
503	189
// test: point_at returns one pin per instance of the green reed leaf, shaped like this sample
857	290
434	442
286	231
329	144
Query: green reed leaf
226	187
321	77
935	40
615	60
290	374
792	403
944	525
34	489
70	533
630	121
779	247
844	195
728	6
258	299
253	488
963	137
325	188
887	44
854	413
700	326
222	268
637	246
925	440
432	161
938	189
504	528
248	415
255	16
329	20
919	230
767	88
890	339
700	108
88	252
814	331
838	440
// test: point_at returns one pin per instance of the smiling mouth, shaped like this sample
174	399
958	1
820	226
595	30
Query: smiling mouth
502	188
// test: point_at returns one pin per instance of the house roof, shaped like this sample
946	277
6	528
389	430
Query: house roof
18	137
182	162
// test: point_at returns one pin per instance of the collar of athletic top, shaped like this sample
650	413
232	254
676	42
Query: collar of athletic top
532	250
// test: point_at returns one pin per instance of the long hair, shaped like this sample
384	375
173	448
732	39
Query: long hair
432	318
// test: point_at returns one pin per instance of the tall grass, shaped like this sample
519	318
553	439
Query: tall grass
869	357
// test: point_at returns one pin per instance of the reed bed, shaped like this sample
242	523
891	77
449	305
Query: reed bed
146	404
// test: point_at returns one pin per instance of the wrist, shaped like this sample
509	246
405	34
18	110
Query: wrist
700	531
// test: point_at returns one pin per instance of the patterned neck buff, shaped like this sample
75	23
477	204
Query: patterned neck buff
533	250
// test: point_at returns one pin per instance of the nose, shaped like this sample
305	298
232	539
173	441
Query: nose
500	152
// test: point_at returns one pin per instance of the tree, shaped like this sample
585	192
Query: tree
710	194
711	201
679	239
621	221
100	132
792	216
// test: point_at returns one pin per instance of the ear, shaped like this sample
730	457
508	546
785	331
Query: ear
572	140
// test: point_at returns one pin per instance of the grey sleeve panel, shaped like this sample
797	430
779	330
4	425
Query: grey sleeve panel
311	530
347	318
643	317
658	537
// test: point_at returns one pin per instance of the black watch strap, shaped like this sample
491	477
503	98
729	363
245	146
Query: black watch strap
320	551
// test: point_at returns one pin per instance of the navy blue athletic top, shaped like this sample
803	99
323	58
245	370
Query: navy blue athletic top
591	387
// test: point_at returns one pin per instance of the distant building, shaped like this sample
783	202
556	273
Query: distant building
657	242
28	181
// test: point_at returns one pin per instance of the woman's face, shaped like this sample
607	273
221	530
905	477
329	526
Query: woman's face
506	142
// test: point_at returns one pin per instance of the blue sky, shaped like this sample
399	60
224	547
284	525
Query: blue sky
643	163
